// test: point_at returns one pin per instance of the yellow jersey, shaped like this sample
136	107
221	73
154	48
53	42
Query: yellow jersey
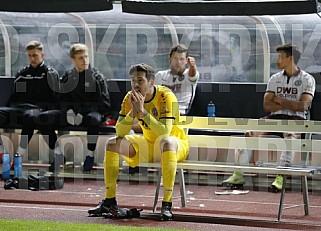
163	106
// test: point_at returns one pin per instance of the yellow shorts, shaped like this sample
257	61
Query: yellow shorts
149	152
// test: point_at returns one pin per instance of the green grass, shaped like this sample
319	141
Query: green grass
26	225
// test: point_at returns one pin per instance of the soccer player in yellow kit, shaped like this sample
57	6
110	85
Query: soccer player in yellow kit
156	109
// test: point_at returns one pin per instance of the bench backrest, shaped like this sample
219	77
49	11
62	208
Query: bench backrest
232	100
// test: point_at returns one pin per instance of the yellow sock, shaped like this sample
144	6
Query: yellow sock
111	170
169	166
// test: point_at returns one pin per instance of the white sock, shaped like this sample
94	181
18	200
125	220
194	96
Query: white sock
90	153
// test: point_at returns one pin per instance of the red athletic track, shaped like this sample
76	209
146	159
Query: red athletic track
205	210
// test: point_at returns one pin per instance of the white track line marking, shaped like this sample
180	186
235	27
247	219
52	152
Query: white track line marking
38	207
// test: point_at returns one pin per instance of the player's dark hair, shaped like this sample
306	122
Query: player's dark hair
290	50
77	48
179	49
150	73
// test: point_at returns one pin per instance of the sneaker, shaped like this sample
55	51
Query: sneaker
101	209
57	161
166	211
236	178
88	164
278	183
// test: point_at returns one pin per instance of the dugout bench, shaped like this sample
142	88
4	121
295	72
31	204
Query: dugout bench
305	146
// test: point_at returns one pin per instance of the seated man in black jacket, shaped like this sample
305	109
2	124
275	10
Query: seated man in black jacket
33	102
85	97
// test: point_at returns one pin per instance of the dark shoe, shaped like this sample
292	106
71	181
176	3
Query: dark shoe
101	209
166	212
132	171
57	161
88	163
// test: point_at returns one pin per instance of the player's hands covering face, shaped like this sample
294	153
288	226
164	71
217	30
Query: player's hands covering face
137	101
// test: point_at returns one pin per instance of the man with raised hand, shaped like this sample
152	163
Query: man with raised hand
181	77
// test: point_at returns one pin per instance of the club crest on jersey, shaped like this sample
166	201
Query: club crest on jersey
298	83
181	77
154	112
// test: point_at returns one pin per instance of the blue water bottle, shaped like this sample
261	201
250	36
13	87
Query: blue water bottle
17	165
211	109
5	166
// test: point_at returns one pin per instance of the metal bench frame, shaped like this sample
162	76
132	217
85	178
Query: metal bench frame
305	146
